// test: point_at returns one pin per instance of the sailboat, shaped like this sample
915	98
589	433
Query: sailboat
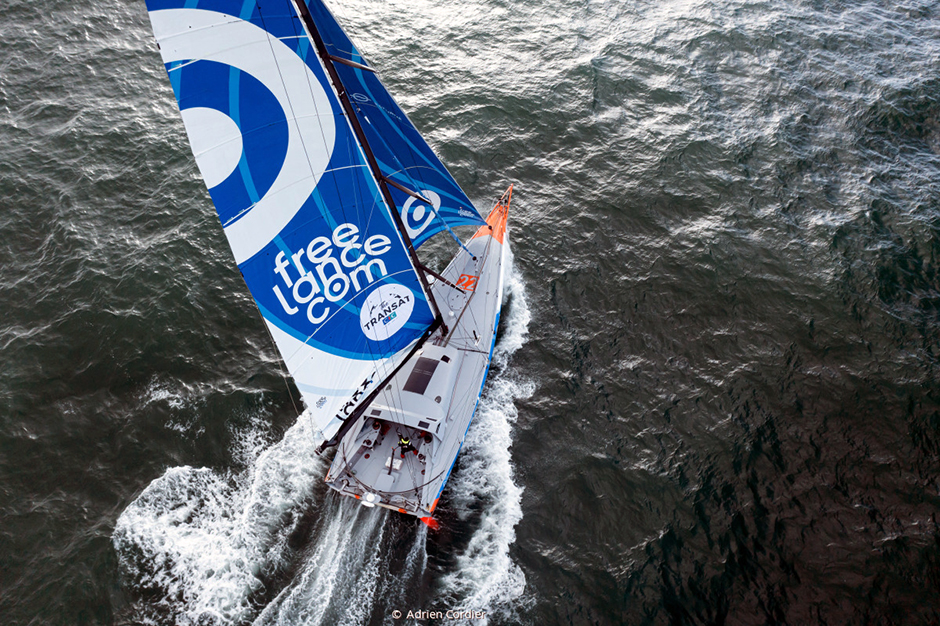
326	192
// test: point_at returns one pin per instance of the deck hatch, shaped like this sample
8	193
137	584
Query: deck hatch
421	375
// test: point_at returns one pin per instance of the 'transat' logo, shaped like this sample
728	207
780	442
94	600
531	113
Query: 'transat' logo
385	311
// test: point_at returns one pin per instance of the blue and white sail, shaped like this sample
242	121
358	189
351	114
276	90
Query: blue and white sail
301	208
403	154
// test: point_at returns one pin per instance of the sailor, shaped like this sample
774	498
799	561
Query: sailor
405	445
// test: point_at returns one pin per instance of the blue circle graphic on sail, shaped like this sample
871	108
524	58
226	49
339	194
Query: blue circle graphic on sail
416	215
300	91
248	134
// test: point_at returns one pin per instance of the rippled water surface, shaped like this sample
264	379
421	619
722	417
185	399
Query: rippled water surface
716	396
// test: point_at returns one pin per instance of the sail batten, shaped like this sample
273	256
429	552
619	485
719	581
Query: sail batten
314	235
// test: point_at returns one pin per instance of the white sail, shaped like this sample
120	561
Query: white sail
307	221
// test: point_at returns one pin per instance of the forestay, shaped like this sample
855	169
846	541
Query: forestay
309	228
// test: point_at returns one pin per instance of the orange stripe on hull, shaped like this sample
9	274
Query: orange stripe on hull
496	221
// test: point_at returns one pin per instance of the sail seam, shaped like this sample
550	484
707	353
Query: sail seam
310	165
371	212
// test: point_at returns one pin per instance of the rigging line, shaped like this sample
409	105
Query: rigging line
355	51
452	233
471	390
354	156
294	118
418	157
383	365
390	493
354	152
313	100
486	255
282	364
395	154
416	165
311	92
365	227
450	405
418	196
380	364
361	408
331	171
394	392
466	307
339	88
364	146
413	150
473	317
416	180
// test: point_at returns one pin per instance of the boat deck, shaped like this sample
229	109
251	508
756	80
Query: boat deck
432	399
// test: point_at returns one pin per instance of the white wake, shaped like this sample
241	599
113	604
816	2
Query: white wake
201	542
200	545
486	579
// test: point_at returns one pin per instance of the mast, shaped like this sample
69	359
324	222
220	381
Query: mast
383	182
279	152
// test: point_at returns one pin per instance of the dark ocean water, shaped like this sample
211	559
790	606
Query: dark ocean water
716	397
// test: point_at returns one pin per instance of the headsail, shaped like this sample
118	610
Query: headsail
403	155
309	228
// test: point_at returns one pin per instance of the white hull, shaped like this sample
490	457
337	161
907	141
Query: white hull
432	399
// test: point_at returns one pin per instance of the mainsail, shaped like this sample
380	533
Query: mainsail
307	218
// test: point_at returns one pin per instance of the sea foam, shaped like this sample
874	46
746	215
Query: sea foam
202	544
486	578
